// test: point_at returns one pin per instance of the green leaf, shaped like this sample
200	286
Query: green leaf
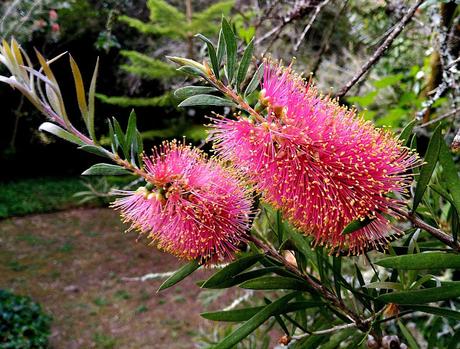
60	132
450	176
238	315
431	158
255	80
220	47
420	261
406	132
385	285
231	47
444	312
188	91
94	149
131	131
205	100
105	170
113	140
356	225
275	283
212	54
179	275
254	322
410	339
120	137
426	295
190	71
231	270
238	279
244	64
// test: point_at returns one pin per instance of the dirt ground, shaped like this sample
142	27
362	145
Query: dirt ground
74	263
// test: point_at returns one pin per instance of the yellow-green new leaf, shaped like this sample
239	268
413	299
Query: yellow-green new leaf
80	89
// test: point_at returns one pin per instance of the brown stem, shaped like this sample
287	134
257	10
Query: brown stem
381	50
189	14
437	233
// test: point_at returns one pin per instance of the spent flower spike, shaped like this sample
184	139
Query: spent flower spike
193	207
318	162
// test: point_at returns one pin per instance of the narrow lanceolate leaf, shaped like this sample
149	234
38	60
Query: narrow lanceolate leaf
231	47
186	69
254	322
93	149
131	131
120	137
80	89
444	312
384	285
244	64
231	270
205	100
240	278
113	140
275	283
239	315
60	132
356	225
409	338
212	54
105	170
450	176
179	275
431	158
421	296
255	80
420	261
188	91
220	47
91	96
406	132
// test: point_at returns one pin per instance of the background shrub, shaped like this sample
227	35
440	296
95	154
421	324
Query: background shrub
23	323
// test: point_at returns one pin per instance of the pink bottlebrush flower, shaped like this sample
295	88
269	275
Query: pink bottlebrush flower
53	15
55	28
318	162
194	207
39	24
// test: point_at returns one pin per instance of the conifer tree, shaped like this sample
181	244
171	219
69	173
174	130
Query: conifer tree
173	28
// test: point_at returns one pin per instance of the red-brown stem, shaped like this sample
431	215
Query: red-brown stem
326	294
437	233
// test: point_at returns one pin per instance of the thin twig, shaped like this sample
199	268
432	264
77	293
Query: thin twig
297	12
439	118
381	50
339	327
310	23
435	232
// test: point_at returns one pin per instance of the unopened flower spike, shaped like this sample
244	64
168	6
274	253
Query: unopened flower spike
318	162
193	207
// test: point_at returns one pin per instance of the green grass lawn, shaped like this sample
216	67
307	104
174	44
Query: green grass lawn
37	195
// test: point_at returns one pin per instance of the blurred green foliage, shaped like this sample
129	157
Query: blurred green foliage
38	195
23	323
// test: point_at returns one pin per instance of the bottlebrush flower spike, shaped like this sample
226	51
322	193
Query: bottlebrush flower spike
318	162
192	208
